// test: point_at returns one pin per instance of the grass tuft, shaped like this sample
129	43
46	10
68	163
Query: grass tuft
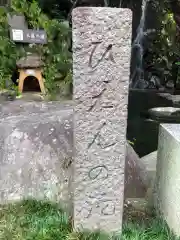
37	220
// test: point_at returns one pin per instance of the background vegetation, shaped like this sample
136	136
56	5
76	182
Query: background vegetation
55	54
163	45
161	53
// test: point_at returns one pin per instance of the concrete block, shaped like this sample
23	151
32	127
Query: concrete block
167	187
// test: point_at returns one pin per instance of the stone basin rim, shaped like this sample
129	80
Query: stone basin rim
163	111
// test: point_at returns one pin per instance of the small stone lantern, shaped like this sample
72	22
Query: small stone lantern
30	66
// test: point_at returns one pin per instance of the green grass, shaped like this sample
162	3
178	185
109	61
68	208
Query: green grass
32	220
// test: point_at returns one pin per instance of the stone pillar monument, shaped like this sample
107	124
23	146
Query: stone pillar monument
101	65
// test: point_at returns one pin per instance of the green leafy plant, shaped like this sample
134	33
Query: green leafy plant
55	55
8	51
164	47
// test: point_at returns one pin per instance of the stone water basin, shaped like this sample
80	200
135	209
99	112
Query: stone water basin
165	114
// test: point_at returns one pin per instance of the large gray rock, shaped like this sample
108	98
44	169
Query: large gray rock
134	184
101	55
26	111
30	108
147	165
35	152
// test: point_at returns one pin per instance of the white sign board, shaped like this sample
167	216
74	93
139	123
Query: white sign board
17	35
28	36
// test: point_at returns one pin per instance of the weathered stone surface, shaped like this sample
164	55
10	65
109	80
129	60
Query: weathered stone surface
101	55
167	188
147	172
147	165
36	152
134	185
27	108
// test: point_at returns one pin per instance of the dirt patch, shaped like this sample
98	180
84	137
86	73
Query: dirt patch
137	210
